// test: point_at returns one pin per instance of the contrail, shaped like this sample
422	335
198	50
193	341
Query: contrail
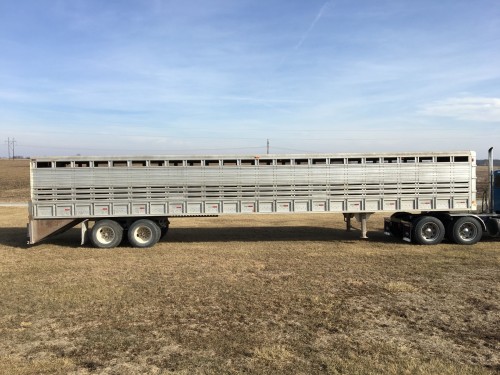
318	17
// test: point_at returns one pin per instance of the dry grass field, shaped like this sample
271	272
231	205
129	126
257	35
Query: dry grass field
282	294
14	180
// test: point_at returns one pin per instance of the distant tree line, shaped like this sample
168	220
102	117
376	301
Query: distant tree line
484	162
15	157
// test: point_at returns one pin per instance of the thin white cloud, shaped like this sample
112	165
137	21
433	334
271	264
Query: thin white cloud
311	26
12	95
466	108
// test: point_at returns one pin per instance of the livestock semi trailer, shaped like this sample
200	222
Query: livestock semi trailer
432	195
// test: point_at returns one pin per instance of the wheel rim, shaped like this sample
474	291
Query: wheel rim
106	235
143	234
430	231
467	231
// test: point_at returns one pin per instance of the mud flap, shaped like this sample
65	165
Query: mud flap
493	226
84	232
398	228
387	226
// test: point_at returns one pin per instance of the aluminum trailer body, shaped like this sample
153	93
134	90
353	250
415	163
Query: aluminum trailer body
68	190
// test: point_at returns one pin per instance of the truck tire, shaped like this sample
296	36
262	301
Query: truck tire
467	231
106	234
428	230
143	233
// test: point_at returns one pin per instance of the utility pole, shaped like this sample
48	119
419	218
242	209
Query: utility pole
11	146
268	146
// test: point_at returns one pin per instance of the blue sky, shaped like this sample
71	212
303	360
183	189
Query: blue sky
220	76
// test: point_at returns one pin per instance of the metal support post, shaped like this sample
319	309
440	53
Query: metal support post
363	219
347	219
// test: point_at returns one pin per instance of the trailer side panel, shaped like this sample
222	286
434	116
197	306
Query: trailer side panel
96	187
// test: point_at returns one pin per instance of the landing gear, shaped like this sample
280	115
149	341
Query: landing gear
360	218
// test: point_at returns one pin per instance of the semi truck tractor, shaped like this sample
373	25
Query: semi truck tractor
431	195
464	228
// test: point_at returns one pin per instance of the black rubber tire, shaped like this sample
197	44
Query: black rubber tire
106	234
467	231
143	233
428	230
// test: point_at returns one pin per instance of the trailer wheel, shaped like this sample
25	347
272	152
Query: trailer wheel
428	230
106	234
467	231
143	233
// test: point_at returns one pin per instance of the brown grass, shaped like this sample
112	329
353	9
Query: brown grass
14	180
248	294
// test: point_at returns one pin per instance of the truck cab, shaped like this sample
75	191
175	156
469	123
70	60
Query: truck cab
496	192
